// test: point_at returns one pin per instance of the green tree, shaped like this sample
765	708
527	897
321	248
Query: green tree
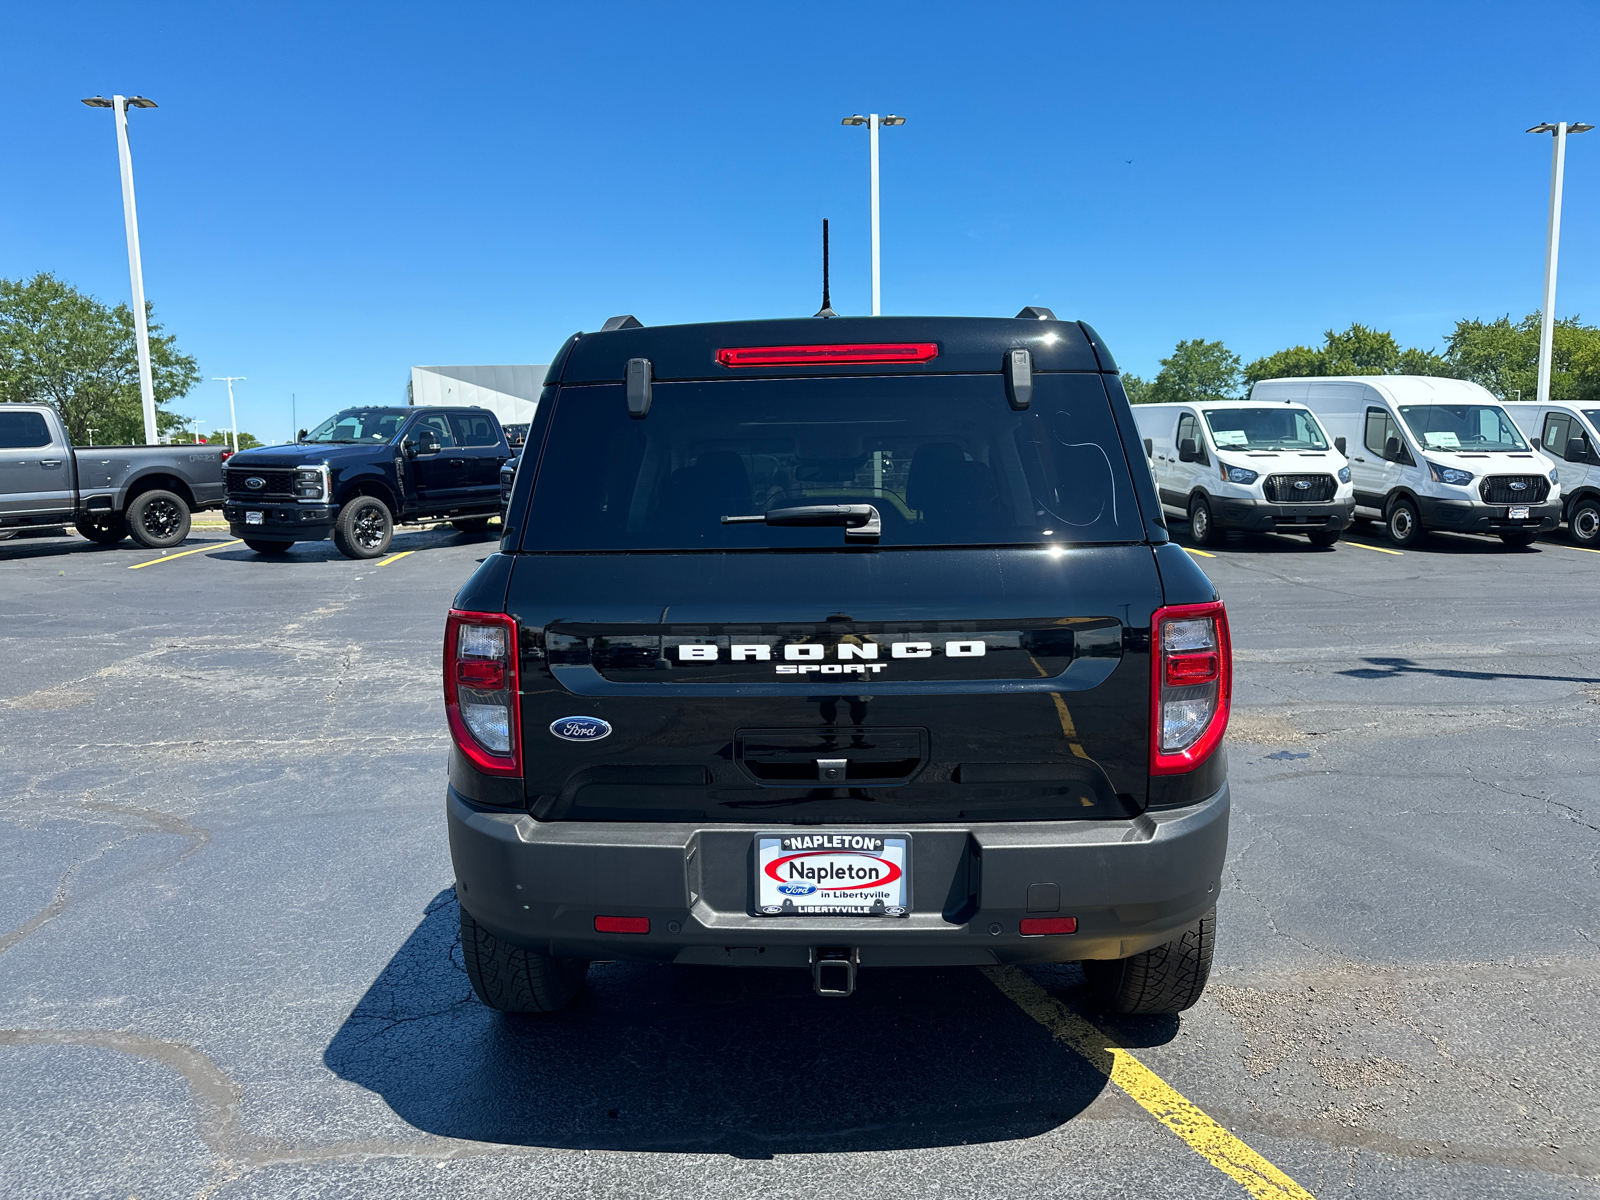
1359	350
1196	370
61	347
222	437
1504	357
1138	389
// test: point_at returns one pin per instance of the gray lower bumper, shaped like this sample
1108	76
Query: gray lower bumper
1462	516
1259	517
1130	884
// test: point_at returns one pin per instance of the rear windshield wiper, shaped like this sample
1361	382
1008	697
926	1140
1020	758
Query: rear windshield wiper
861	521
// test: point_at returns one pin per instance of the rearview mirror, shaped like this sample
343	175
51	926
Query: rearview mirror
1536	443
427	442
1391	450
1339	444
1577	449
1186	452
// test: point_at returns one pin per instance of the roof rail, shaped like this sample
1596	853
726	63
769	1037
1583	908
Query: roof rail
1033	313
628	321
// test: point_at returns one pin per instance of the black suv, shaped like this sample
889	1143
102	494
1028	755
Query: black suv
837	644
364	470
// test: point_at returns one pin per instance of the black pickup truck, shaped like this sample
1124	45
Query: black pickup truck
364	470
833	645
108	492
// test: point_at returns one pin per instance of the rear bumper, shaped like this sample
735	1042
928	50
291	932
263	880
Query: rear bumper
1130	884
1463	516
1260	517
281	522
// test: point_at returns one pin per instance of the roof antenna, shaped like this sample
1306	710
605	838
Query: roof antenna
827	308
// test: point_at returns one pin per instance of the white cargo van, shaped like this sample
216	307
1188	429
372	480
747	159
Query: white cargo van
1244	464
1569	435
1429	453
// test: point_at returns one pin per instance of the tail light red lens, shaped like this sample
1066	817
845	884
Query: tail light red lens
226	455
622	924
804	356
1040	926
481	689
1191	685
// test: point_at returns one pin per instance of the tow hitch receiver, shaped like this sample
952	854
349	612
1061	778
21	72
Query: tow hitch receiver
833	970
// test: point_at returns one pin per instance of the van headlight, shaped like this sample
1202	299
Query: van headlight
1553	478
1344	474
1451	475
1240	475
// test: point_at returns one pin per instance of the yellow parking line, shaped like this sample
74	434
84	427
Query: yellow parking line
185	553
1364	546
1201	553
1155	1095
1585	549
395	557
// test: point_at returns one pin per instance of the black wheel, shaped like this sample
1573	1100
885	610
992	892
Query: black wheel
475	525
1583	526
105	528
1166	979
158	519
514	980
1323	537
261	546
364	528
1520	539
1403	526
1202	528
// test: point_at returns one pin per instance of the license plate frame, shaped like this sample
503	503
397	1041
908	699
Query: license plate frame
1517	512
253	518
810	874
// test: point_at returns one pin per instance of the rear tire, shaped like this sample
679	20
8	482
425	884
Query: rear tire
104	529
264	547
364	529
1583	526
1403	526
512	980
474	525
1202	525
1166	979
158	519
1323	537
1520	540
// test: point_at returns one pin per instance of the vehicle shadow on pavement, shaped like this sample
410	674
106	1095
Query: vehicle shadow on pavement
1393	668
326	551
72	545
740	1061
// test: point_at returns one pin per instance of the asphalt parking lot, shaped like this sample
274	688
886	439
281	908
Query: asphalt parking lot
227	932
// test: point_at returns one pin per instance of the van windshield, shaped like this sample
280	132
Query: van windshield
1265	429
359	425
1594	416
944	459
1476	427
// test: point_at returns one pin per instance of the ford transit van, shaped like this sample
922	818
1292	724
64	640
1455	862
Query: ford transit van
1569	435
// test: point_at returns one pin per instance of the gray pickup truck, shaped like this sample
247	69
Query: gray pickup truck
108	492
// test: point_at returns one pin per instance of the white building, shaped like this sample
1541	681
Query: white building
511	393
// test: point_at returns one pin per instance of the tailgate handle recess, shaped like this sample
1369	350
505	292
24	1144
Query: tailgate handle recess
831	770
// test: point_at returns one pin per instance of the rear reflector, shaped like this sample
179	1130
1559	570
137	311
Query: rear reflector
801	356
491	675
1185	670
1039	926
622	924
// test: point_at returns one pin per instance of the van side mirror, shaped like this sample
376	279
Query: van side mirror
1391	450
1577	449
1536	443
1149	448
1186	451
1339	444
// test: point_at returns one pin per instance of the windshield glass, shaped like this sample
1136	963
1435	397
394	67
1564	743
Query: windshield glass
359	425
1472	427
944	460
1265	429
1594	416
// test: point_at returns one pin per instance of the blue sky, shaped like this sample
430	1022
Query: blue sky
331	193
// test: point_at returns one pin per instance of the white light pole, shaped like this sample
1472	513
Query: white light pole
1552	247
872	121
233	416
147	389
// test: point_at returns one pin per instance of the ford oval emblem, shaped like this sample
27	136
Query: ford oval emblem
1303	484
1518	486
255	483
580	729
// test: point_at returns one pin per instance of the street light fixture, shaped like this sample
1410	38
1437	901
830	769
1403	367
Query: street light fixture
1552	247
141	328
872	121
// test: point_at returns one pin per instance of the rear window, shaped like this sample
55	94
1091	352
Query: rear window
944	459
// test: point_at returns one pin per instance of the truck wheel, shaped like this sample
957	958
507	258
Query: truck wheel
364	528
265	547
1166	979
1201	525
158	519
511	979
105	528
1519	540
1323	537
1583	526
477	525
1403	526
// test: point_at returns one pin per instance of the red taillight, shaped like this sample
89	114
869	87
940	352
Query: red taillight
1191	685
481	701
622	924
1039	926
226	455
801	356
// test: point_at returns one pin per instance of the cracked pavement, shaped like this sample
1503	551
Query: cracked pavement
229	962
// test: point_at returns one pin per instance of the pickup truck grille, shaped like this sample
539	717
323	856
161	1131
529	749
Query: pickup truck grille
1503	489
1285	489
277	485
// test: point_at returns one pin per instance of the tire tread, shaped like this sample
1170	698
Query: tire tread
1168	978
510	979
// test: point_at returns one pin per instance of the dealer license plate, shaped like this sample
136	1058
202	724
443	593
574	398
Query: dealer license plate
252	518
1518	513
846	874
